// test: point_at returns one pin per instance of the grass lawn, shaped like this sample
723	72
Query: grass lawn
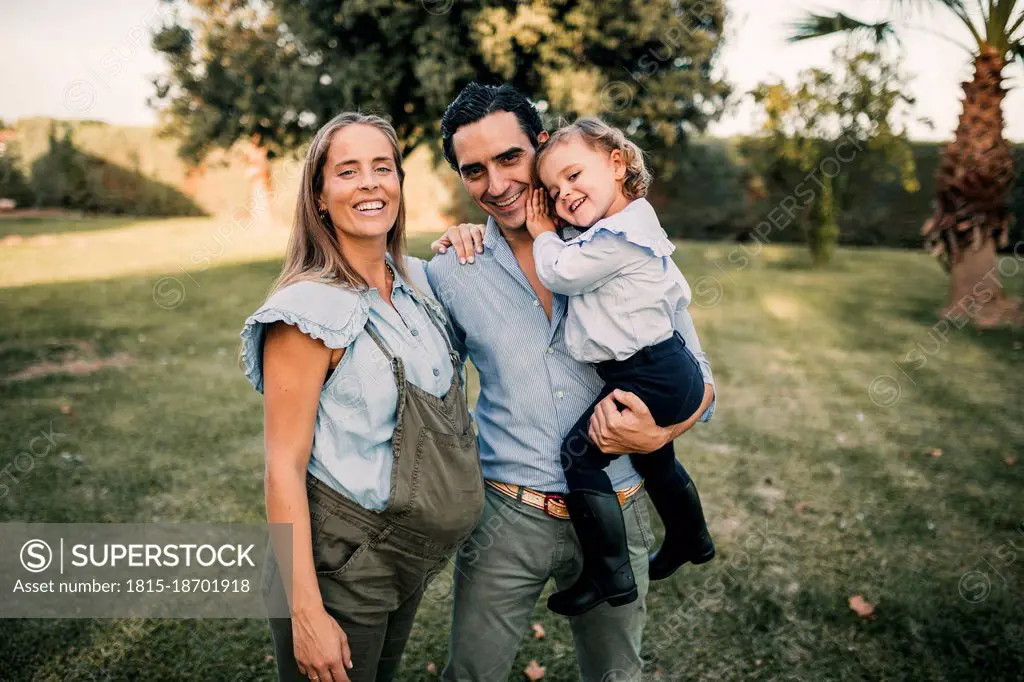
856	451
28	227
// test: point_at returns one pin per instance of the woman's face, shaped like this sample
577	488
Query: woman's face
361	189
582	181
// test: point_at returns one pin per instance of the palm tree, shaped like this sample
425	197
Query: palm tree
976	173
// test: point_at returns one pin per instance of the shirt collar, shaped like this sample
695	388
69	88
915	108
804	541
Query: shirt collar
638	224
492	234
637	214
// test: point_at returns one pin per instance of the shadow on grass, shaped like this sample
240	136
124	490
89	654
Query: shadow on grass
806	631
920	635
193	649
29	646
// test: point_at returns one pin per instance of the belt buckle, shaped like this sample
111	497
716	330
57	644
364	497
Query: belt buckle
547	498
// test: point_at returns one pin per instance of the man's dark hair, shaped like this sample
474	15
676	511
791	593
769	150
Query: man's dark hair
477	101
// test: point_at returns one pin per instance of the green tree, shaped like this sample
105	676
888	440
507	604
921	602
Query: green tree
61	177
976	174
13	183
231	77
279	69
831	128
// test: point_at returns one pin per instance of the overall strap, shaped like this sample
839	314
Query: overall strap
443	328
372	331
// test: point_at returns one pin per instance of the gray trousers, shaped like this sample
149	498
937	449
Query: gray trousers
499	574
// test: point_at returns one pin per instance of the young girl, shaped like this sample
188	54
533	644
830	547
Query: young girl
624	290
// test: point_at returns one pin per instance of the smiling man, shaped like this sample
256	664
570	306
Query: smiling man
531	393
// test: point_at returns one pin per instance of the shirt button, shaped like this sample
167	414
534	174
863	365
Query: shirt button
536	302
560	394
415	332
550	351
437	372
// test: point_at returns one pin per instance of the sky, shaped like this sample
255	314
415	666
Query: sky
93	60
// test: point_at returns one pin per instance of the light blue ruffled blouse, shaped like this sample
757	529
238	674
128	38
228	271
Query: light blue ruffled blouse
624	288
357	411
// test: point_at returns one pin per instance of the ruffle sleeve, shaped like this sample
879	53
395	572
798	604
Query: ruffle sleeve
322	311
638	224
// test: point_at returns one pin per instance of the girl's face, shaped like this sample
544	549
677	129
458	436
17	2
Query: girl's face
584	183
361	191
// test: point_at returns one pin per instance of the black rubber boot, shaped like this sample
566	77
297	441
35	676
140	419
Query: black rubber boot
607	575
686	532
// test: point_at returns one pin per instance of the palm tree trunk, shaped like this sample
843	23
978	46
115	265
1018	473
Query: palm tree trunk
976	290
971	216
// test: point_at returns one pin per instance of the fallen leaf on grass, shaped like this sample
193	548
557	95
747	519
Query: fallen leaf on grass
534	671
935	452
538	631
800	507
432	668
861	607
1010	460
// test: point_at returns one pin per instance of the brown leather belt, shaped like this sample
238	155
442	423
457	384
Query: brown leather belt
552	504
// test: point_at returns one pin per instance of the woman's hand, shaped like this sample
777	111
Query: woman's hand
321	646
467	238
538	219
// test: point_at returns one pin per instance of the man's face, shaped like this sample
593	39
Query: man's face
496	165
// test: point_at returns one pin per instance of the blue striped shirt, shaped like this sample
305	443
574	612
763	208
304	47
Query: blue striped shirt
531	389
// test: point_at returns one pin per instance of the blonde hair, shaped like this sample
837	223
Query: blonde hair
313	251
599	135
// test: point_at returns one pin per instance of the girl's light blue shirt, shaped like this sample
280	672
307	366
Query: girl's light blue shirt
625	292
357	411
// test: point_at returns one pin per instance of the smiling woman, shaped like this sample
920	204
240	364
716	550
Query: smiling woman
370	453
352	183
361	194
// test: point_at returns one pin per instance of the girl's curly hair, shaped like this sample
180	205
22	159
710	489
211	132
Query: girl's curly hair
600	135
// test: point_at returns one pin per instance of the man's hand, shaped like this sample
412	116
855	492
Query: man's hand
629	431
467	238
538	219
633	430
